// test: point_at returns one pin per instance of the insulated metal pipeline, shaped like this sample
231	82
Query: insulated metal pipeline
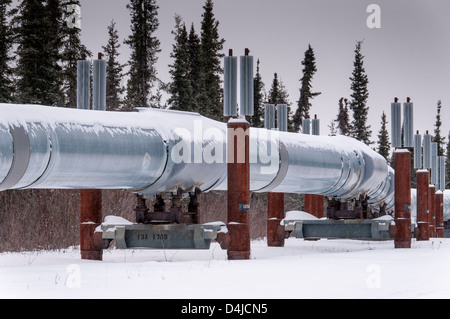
154	151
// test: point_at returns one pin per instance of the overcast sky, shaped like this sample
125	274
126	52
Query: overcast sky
408	56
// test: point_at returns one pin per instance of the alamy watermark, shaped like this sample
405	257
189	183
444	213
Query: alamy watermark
73	279
374	19
373	280
210	146
73	19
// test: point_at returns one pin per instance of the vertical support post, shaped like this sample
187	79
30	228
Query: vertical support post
275	201
439	211
432	214
90	218
238	165
403	198
422	204
314	204
90	199
275	213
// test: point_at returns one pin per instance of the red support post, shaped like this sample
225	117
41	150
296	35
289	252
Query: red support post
275	213
422	204
439	212
432	214
314	204
90	218
403	199
238	165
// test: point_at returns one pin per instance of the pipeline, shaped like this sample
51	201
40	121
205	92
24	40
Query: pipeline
153	151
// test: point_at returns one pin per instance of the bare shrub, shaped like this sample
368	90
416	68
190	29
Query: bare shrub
50	219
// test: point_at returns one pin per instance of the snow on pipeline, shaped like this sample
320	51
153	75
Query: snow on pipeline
302	269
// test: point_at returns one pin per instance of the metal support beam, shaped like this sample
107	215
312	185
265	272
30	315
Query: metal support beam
402	199
314	204
275	214
90	218
91	244
238	165
422	204
439	213
431	215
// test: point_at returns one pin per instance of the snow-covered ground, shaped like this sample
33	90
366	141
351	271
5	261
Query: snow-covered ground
302	269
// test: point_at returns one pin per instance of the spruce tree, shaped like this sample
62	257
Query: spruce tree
333	129
279	95
211	59
304	103
55	43
72	51
358	103
38	66
6	43
144	47
195	75
274	92
114	70
438	138
343	118
257	120
384	145
180	87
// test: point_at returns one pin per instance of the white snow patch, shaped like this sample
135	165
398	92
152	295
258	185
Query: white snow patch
360	269
385	217
299	215
116	220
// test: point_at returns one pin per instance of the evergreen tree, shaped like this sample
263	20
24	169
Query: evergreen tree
343	118
6	43
438	138
279	95
211	58
333	129
144	49
195	70
114	70
38	69
180	88
358	104
72	51
304	103
384	146
274	93
55	41
257	119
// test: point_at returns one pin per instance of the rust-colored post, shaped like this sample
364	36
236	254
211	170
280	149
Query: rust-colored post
403	198
422	204
238	202
90	218
439	213
309	203
431	215
275	213
314	204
